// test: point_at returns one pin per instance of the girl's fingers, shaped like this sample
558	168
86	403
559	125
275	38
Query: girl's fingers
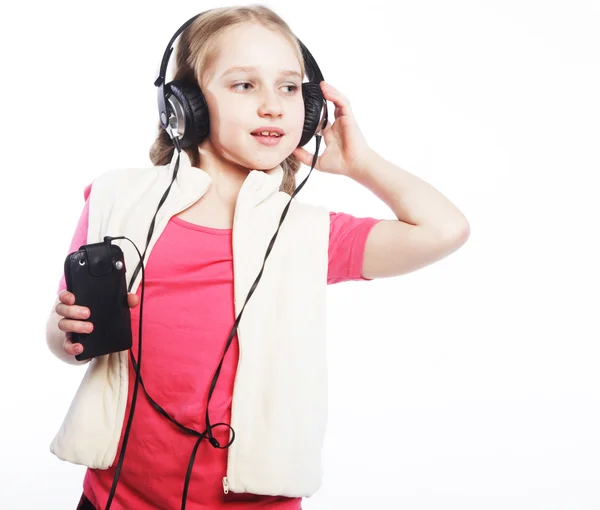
306	157
133	300
75	326
327	126
70	348
67	308
72	311
67	297
341	102
74	319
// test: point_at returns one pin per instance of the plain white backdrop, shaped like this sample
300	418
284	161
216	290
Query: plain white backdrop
471	384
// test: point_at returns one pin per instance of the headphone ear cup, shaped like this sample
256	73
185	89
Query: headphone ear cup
314	102
197	123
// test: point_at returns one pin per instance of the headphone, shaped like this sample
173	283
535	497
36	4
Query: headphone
183	111
183	114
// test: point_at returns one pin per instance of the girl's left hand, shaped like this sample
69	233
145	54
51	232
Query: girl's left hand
344	141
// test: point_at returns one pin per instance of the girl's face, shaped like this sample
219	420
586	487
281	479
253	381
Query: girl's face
240	101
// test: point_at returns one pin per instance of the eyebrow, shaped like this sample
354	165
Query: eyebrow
247	69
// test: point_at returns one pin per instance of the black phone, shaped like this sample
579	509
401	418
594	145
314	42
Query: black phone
95	274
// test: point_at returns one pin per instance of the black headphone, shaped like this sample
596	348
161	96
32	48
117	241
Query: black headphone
183	114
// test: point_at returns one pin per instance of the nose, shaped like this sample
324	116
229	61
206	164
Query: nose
270	105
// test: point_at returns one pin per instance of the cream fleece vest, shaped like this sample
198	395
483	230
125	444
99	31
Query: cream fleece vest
279	403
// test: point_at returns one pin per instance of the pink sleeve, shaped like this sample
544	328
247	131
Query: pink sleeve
347	238
80	235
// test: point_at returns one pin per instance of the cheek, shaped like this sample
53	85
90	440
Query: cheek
225	114
223	117
295	121
299	111
298	124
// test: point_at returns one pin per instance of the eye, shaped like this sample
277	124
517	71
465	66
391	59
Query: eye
238	84
292	87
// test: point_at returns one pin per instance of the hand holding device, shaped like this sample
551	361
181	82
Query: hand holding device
95	275
74	317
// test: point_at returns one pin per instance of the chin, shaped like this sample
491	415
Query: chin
266	158
270	161
266	168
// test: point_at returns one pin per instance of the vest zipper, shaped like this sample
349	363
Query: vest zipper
237	333
225	485
225	479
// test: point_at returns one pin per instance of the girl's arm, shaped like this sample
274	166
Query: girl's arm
429	227
55	337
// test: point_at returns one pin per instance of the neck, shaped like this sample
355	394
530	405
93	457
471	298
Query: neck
226	177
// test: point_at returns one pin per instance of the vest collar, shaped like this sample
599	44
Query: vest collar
193	182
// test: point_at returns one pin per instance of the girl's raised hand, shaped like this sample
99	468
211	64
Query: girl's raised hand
344	139
74	316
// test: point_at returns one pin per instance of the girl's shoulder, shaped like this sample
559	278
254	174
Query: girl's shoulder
131	173
119	180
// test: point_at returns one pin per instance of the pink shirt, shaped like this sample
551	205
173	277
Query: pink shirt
188	314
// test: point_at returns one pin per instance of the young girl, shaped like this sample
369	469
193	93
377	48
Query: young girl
192	273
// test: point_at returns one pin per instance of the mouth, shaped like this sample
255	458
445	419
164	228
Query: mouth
268	131
269	139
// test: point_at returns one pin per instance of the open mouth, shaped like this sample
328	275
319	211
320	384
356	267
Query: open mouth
268	139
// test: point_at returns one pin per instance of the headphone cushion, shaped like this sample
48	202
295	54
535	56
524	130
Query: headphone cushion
314	102
193	103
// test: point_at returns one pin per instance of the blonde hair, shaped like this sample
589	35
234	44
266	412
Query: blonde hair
196	50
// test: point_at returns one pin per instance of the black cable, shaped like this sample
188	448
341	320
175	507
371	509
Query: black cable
137	365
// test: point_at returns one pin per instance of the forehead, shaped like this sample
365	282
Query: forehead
251	45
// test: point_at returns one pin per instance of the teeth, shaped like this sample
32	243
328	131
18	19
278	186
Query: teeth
267	133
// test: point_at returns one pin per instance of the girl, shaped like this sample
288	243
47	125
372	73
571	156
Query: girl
250	67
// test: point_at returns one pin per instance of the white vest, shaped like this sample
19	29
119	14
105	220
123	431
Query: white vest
279	403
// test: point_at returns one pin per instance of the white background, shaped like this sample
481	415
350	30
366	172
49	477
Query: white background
470	384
